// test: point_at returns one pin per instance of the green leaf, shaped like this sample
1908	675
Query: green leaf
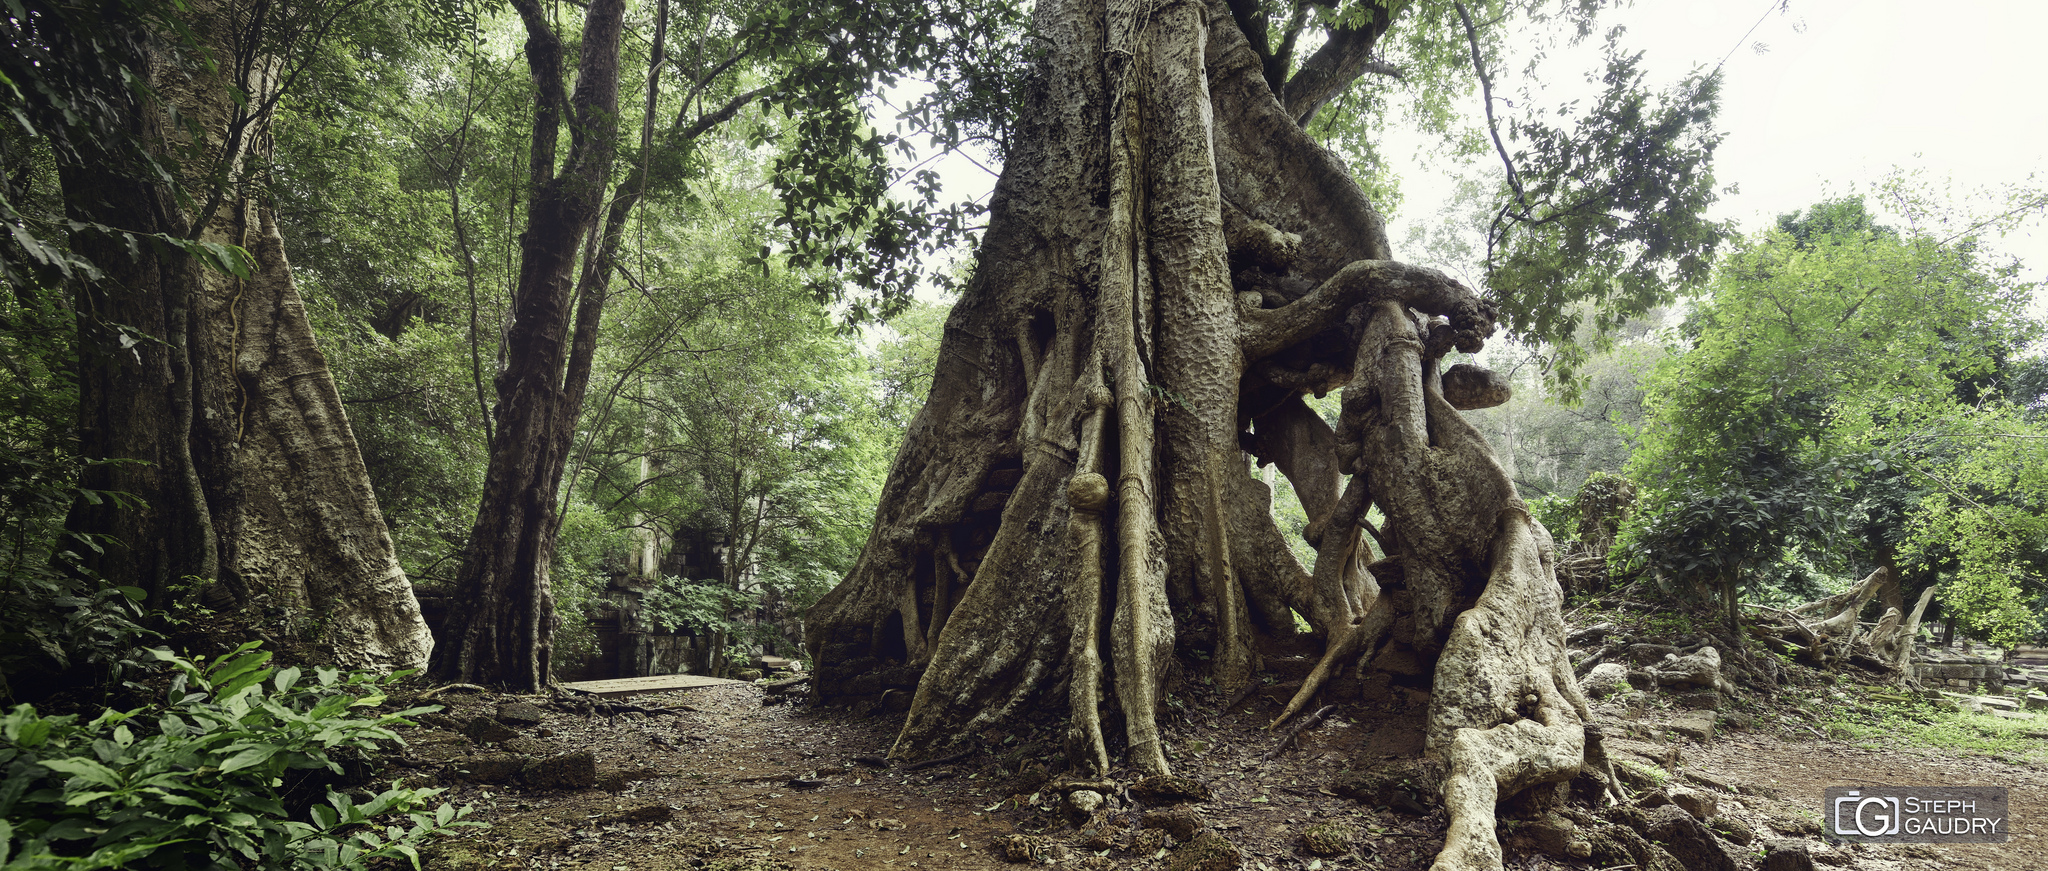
248	757
86	770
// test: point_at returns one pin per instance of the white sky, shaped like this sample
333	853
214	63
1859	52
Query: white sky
1844	91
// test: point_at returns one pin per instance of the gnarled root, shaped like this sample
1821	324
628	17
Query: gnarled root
1506	713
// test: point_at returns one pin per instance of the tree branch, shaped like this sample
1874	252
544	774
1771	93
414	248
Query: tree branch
1486	96
1267	331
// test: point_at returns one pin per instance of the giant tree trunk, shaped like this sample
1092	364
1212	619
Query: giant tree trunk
1170	264
209	395
504	633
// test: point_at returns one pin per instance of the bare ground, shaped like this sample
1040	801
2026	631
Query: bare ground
729	782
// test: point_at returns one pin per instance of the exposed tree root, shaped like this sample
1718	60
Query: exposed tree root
1507	713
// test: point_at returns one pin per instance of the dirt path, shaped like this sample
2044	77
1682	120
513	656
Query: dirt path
1787	777
733	784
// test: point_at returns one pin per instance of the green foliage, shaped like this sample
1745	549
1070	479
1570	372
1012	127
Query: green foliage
1842	404
1607	209
204	779
1922	722
52	614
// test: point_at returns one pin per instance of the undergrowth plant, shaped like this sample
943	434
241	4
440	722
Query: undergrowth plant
204	778
1933	723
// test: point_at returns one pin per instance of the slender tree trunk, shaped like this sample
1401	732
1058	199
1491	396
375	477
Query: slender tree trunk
1170	264
251	488
505	633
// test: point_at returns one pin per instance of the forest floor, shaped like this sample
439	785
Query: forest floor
730	778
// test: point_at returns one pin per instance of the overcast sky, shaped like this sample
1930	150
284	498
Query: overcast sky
1842	92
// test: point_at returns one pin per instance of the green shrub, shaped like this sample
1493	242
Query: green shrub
201	780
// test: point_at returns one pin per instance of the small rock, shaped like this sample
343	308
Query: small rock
1555	835
1169	789
1016	848
1704	700
1207	852
1686	839
1701	668
1180	821
1787	856
1698	728
1604	680
484	730
746	674
1732	830
576	770
1794	824
1084	801
520	713
1641	679
1654	798
1701	805
1329	839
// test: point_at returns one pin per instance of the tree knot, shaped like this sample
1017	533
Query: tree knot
1088	492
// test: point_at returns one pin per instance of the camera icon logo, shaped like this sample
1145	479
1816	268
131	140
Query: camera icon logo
1870	816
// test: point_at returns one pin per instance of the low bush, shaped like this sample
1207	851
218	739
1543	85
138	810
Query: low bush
204	779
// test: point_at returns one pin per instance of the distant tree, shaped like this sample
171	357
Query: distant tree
1843	397
218	463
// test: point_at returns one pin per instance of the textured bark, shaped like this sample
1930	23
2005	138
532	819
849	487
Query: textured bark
250	481
505	633
1170	264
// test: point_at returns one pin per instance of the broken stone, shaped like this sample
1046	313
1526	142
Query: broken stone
1328	839
1604	680
1555	835
1701	668
1787	856
520	713
577	770
1209	851
1704	700
1794	824
1609	845
1701	805
1732	830
1169	789
484	730
1699	729
1686	839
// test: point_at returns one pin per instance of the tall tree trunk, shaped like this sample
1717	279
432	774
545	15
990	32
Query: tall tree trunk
504	634
1170	264
208	393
